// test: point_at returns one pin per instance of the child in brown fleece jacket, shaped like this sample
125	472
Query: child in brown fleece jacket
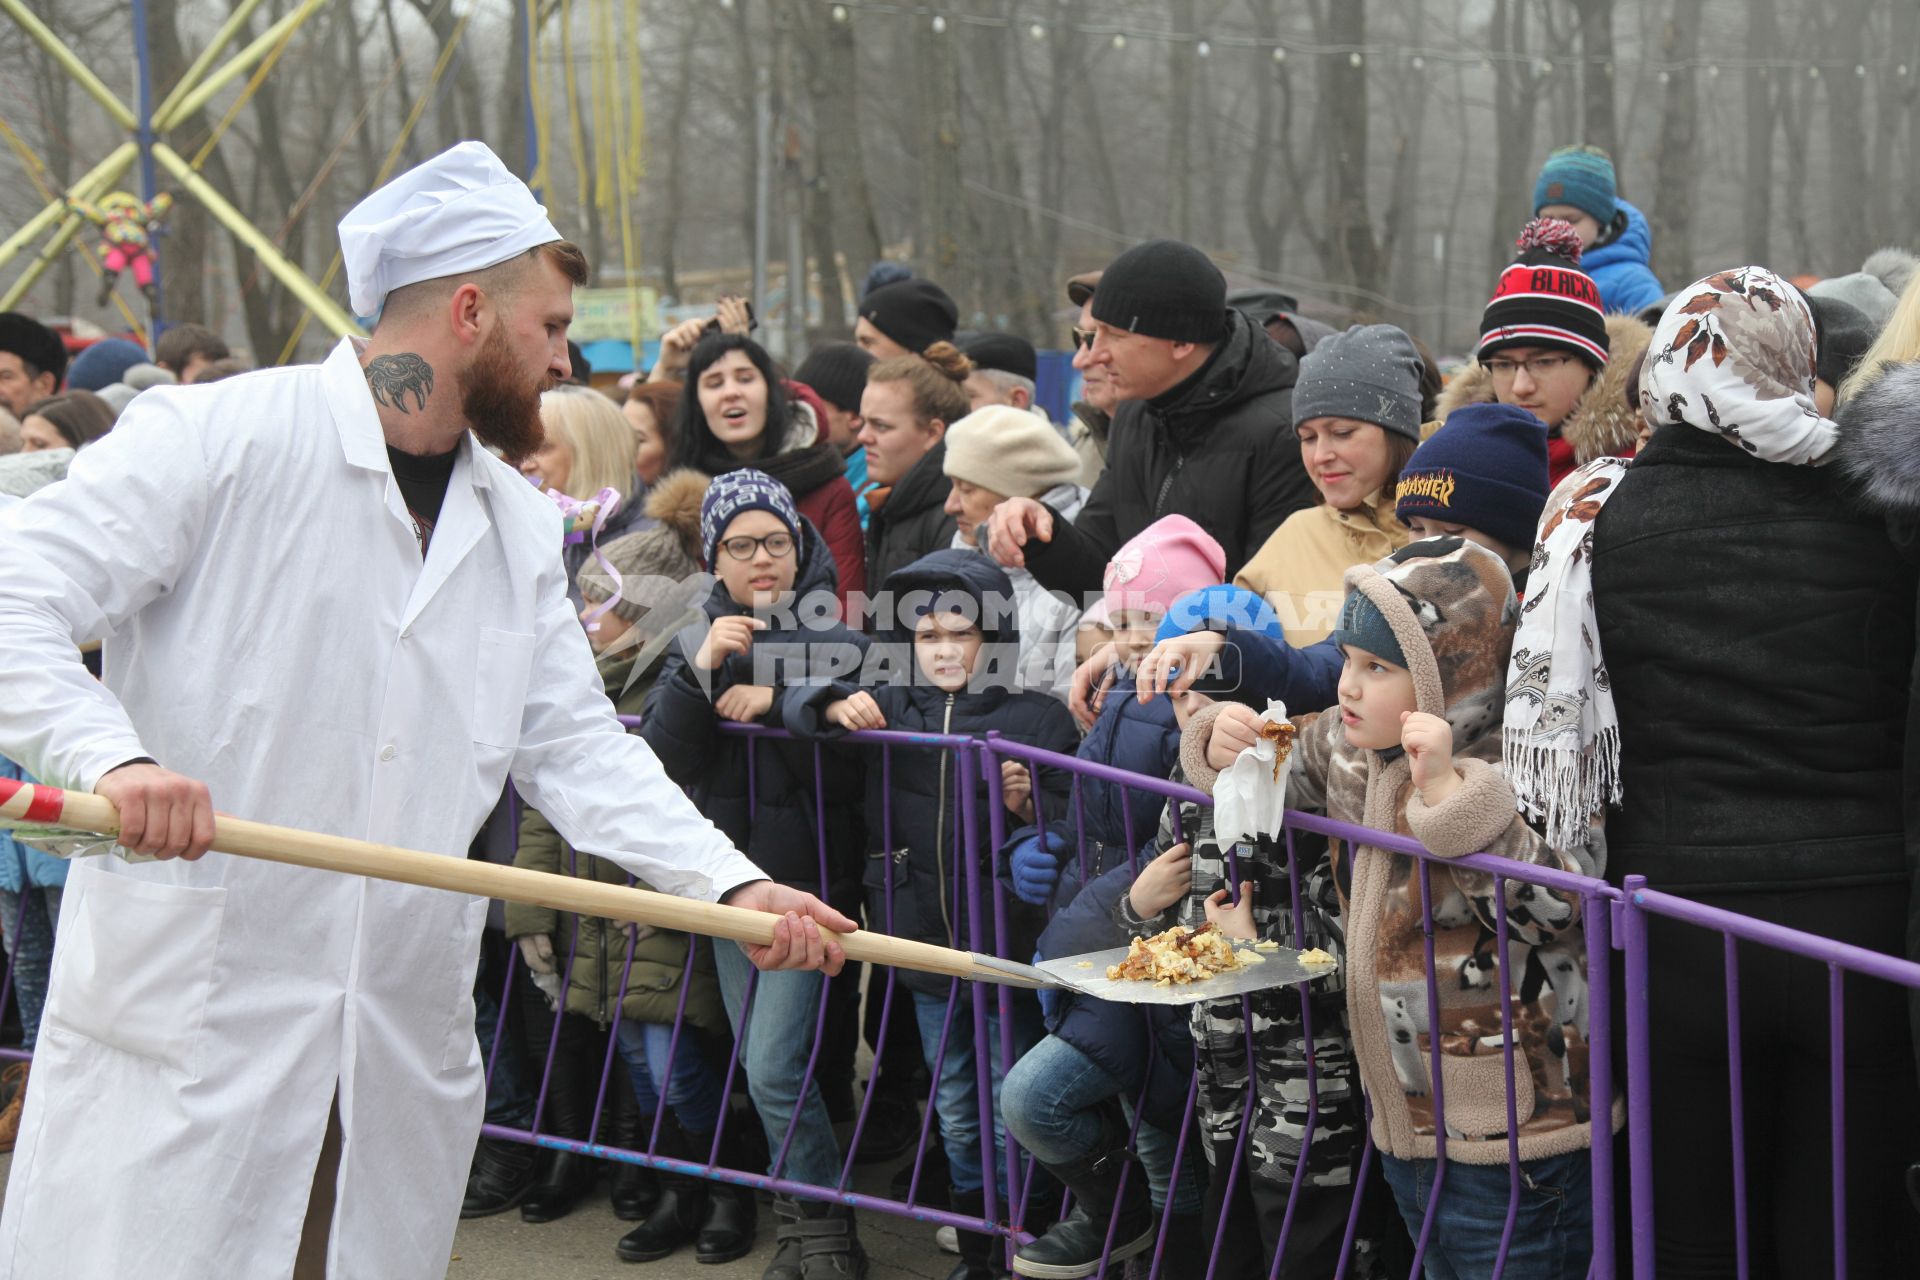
1414	748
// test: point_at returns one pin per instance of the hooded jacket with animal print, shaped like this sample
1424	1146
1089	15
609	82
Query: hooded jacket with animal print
1451	606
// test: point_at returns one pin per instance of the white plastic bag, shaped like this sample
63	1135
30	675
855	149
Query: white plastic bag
1250	796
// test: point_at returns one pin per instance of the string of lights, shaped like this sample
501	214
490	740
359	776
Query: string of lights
1118	35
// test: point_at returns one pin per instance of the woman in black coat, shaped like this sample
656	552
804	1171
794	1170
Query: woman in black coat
1758	632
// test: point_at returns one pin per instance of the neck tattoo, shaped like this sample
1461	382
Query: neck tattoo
393	378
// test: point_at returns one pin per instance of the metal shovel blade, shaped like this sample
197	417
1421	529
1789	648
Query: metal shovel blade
1259	971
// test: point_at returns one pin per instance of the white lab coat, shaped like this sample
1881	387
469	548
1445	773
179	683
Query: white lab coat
270	629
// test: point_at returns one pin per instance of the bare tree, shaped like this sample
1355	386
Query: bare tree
1516	95
1762	116
1273	111
841	196
1596	74
1353	252
674	182
1674	165
1893	114
1180	76
458	112
941	242
1847	241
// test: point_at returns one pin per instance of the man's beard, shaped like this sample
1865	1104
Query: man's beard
500	402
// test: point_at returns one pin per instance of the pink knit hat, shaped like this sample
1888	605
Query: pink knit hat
1158	565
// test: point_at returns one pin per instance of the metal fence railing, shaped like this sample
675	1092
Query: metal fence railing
1018	1201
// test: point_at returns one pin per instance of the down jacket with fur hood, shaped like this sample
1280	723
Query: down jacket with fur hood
1602	424
1451	606
1879	453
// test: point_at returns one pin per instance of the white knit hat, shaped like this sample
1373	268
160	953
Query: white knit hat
1010	452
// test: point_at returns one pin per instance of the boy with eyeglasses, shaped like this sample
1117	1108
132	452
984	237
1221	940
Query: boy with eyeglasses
771	620
1548	346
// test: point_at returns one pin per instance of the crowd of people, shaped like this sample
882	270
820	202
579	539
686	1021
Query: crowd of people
1630	591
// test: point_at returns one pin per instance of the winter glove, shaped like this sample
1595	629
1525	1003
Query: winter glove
1036	866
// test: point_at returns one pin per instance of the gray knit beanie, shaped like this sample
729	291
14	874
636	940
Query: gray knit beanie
1370	373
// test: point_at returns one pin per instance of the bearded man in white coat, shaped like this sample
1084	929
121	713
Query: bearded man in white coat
325	604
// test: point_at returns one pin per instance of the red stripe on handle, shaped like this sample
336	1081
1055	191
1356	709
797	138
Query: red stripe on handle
47	804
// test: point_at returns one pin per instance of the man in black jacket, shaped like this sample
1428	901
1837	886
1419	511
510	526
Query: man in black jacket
1204	430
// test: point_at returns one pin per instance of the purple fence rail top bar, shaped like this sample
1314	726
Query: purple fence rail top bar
1621	925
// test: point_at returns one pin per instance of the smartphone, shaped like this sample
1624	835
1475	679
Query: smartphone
713	325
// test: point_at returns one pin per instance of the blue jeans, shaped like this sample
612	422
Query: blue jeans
29	943
956	1093
1552	1228
694	1091
1051	1106
509	1096
775	1044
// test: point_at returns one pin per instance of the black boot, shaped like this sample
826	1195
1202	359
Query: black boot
675	1220
502	1174
1072	1248
569	1111
635	1187
726	1232
677	1214
979	1253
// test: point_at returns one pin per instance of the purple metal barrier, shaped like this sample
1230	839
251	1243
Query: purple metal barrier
1594	897
1606	914
967	880
1840	959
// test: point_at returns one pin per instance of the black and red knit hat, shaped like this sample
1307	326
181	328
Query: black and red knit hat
1545	300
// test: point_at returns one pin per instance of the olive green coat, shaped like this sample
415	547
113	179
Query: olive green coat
600	950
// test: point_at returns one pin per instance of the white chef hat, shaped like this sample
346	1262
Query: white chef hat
460	211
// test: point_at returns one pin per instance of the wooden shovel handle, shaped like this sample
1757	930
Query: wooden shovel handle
84	811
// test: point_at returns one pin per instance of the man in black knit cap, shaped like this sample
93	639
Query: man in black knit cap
1005	369
32	362
1204	430
905	318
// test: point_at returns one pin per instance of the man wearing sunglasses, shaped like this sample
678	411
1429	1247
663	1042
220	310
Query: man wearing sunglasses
1203	428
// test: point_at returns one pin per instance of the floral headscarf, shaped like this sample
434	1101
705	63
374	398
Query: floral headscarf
1734	354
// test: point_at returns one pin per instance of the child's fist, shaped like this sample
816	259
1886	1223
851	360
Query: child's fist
1236	728
1235	921
859	711
1429	745
1163	882
1016	789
